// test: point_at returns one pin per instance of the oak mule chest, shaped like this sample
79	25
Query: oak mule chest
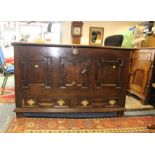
70	78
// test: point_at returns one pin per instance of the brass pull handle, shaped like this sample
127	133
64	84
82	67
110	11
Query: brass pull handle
75	51
112	102
31	102
61	102
84	102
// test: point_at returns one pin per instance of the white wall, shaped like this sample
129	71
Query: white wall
66	32
110	28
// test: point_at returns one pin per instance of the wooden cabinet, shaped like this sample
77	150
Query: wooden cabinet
70	79
142	75
149	41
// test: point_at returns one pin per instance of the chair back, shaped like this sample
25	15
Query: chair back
2	60
114	40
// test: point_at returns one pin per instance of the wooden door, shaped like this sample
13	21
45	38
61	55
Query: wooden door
74	72
108	72
36	70
139	76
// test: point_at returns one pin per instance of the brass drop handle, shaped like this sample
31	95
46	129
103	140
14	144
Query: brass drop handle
84	102
31	102
60	102
75	51
112	102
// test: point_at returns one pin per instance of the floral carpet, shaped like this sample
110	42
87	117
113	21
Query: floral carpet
97	125
8	95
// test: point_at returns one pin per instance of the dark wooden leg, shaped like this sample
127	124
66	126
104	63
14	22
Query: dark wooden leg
19	114
4	83
120	113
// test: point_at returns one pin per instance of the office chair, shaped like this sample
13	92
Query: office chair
7	70
114	40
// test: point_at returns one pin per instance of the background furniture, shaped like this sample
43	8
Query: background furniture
70	79
142	74
6	69
149	41
114	40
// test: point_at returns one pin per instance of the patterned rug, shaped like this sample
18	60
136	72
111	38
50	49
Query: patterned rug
8	95
97	125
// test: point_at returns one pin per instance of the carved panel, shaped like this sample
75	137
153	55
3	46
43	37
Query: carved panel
36	70
74	72
139	75
108	73
137	78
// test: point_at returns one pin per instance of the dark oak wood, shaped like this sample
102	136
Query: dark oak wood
66	110
120	113
70	78
142	75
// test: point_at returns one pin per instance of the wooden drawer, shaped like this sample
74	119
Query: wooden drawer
32	102
144	56
104	102
84	102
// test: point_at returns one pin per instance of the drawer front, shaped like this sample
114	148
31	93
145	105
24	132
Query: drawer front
33	102
81	102
144	55
105	102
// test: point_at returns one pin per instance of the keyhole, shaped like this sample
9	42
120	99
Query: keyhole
36	66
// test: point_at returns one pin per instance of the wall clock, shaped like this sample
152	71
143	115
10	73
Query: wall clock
76	32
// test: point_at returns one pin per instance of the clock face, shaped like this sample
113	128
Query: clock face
76	31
